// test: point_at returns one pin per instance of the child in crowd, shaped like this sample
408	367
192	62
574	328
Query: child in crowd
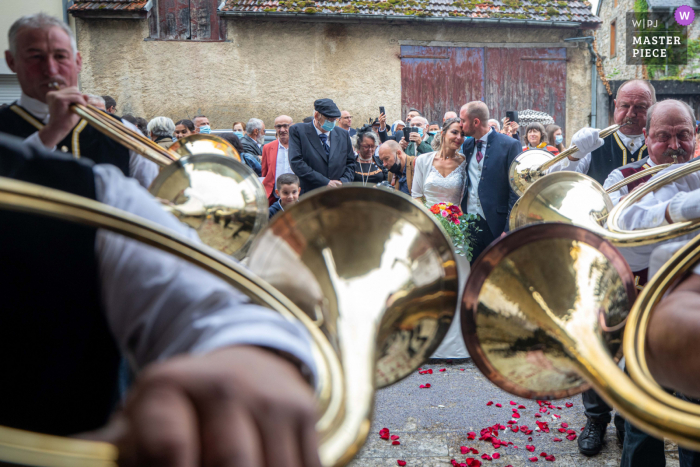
287	191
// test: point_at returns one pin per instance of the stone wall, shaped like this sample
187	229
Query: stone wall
270	67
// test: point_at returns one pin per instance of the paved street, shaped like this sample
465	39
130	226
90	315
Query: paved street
433	423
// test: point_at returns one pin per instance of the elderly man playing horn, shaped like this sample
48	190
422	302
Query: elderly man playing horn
44	54
598	158
669	133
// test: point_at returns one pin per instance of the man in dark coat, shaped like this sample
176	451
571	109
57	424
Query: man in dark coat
319	152
488	194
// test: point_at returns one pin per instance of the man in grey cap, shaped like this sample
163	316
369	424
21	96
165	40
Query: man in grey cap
320	153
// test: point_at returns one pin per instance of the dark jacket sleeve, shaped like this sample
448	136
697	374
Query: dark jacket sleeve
383	136
423	148
301	169
349	172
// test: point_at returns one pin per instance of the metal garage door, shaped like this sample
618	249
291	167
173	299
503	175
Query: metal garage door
9	89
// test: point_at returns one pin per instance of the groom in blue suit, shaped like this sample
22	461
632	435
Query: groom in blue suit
488	193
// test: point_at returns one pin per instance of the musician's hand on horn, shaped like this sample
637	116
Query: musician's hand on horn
61	119
586	140
239	406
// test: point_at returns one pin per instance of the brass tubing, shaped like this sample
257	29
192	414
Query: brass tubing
634	177
573	149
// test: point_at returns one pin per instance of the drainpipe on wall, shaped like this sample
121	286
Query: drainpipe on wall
66	4
594	75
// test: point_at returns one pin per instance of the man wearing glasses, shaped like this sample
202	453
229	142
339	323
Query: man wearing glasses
275	157
345	122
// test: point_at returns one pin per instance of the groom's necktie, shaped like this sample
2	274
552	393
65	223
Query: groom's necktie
324	138
479	155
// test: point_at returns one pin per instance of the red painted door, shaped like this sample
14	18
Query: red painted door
519	79
437	79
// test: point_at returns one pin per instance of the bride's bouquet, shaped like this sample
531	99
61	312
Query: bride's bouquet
457	224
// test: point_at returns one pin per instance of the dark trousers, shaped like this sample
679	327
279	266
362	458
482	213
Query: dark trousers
642	450
480	239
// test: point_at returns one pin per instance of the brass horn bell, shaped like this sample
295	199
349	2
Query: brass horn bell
543	313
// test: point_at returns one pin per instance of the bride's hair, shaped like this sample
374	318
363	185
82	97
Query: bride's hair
445	126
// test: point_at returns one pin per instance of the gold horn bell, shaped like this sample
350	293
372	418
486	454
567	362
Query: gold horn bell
369	272
543	313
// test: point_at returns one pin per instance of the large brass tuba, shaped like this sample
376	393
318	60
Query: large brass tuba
543	313
371	271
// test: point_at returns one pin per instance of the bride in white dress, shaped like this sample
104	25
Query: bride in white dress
440	177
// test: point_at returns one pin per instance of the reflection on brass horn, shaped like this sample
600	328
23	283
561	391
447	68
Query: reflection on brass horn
531	165
219	197
574	198
374	263
545	329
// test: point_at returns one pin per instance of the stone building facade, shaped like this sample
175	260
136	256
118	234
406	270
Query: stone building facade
268	66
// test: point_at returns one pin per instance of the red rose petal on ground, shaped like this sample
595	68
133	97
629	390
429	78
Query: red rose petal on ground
569	404
533	459
461	369
543	410
464	450
402	463
422	386
556	440
565	425
471	435
530	438
474	451
550	458
396	443
516	415
502	427
394	437
499	405
384	436
489	403
486	457
571	437
443	369
571	432
509	465
513	403
496	455
530	448
537	415
471	462
556	416
543	454
562	430
515	428
454	462
430	372
521	406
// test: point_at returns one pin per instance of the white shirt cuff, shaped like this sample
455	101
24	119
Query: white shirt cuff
34	140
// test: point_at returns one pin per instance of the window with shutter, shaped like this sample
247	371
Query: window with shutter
186	20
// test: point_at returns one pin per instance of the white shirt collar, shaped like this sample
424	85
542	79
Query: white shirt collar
279	144
486	136
317	130
34	107
631	142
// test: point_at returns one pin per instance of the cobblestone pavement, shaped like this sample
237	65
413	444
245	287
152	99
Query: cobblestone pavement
432	424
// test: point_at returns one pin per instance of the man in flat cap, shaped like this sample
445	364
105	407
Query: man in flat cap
319	152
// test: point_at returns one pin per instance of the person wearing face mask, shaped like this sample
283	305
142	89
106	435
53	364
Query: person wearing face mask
239	129
555	137
418	141
321	154
201	124
275	157
401	167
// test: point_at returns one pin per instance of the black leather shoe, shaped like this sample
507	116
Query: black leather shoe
620	436
591	440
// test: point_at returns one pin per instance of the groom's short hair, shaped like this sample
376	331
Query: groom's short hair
477	109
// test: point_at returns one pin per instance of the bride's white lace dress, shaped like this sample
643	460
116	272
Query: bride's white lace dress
428	182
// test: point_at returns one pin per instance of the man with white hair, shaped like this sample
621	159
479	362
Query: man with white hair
493	123
96	101
160	130
418	139
449	115
254	139
44	55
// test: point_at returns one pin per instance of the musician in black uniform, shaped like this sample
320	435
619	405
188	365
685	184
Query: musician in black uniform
42	52
221	381
597	157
